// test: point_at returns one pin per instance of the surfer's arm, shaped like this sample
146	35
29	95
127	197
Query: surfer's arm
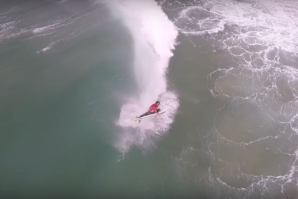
151	109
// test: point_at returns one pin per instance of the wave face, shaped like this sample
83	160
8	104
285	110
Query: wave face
261	40
154	38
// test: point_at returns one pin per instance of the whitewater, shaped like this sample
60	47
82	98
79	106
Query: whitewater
259	85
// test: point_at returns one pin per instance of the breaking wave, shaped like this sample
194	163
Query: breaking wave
154	38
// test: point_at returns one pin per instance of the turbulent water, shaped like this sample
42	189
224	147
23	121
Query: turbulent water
253	142
75	74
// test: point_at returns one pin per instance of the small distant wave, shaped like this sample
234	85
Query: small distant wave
46	48
42	29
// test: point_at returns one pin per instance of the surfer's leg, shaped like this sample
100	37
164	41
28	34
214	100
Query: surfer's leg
143	115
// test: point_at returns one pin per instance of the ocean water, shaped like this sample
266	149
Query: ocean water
74	74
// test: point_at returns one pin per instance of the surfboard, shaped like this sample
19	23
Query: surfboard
148	115
151	114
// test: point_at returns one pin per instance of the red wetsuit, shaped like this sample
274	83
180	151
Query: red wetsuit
153	108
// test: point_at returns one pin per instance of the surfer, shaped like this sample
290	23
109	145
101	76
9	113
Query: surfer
152	109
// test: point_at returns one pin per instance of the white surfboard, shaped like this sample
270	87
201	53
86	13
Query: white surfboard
138	119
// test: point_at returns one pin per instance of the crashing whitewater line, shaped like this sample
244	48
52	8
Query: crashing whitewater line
154	37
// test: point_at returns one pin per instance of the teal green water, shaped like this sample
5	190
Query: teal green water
58	107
